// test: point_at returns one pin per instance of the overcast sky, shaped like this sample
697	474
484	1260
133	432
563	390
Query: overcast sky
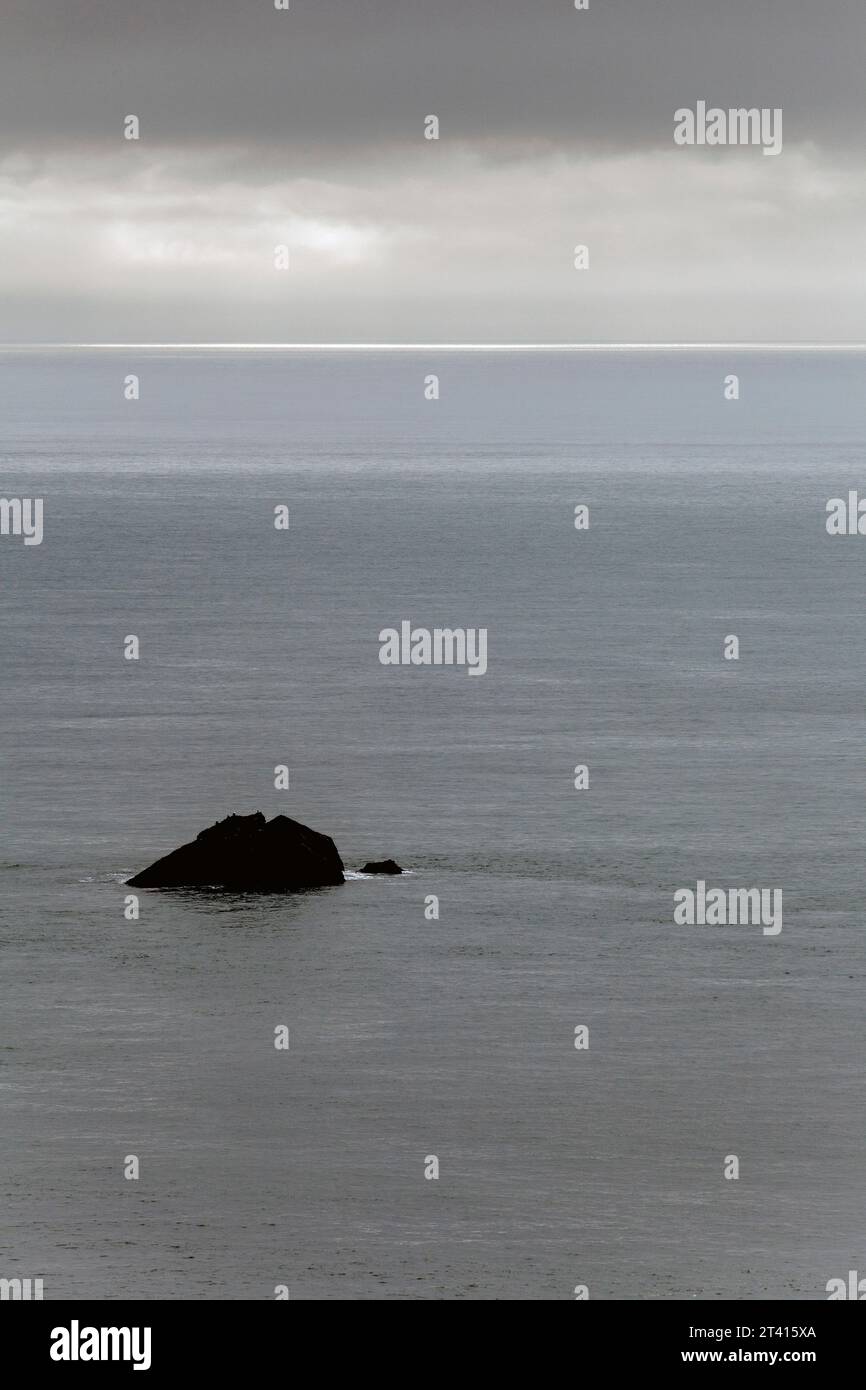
306	129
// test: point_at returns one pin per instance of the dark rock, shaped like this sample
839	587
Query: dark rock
249	854
382	866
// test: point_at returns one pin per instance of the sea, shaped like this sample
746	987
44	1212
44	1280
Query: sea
510	1073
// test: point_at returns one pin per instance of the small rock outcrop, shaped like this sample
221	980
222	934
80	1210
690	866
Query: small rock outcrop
249	854
382	866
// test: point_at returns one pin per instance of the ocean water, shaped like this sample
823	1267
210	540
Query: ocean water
455	1038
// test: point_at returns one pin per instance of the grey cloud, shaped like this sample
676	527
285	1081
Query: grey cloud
367	71
261	127
453	248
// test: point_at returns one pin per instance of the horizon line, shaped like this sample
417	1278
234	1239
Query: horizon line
461	347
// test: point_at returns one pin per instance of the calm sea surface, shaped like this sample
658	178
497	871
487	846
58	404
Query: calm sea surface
453	1037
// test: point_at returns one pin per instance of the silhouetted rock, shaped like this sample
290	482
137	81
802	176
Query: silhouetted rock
249	854
382	866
